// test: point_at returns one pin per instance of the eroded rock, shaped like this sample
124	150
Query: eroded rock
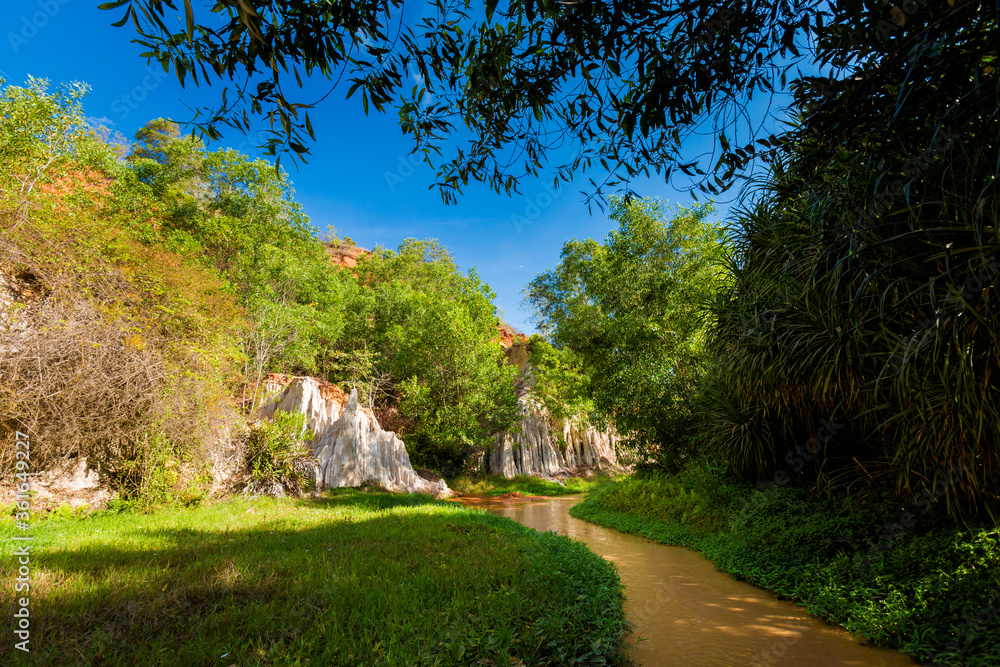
350	445
545	447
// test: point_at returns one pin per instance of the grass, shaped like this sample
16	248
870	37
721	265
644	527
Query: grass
353	578
495	485
899	577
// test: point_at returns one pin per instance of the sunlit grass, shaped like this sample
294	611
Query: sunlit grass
495	485
351	579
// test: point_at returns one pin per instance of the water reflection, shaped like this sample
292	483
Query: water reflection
686	612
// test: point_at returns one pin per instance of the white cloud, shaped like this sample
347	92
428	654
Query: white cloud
98	121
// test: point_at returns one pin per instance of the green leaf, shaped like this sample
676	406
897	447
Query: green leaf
189	16
490	6
124	19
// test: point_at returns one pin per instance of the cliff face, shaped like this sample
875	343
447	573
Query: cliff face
349	444
544	447
541	445
345	256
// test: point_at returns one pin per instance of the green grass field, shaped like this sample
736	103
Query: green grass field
353	578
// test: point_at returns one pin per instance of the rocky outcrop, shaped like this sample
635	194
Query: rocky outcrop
518	354
69	481
508	336
345	256
544	447
350	446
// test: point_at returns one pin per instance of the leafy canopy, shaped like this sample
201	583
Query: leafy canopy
631	309
433	331
616	85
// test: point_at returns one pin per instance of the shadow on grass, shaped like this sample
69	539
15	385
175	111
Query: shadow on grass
351	578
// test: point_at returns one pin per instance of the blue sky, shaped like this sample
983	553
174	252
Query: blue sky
358	180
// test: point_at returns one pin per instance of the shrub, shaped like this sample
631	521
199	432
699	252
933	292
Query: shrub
278	460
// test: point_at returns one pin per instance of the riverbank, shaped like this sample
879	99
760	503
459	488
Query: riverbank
495	485
349	578
898	577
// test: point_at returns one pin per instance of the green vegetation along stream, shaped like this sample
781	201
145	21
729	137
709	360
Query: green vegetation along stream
686	612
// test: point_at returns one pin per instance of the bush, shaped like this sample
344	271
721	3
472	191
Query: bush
277	459
111	348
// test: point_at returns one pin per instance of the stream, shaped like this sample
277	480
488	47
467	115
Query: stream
687	613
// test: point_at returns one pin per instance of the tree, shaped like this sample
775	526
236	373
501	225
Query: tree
865	275
632	310
555	377
433	331
239	216
624	83
620	86
38	130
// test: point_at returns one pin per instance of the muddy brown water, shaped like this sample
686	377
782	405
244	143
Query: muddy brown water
687	613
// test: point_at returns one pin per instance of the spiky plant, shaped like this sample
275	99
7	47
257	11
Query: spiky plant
864	281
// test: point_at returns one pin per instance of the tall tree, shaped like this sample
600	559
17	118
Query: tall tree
434	333
866	273
239	216
632	309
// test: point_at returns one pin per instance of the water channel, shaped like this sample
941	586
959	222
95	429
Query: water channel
687	613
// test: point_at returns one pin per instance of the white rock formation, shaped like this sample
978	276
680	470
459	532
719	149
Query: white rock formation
349	444
544	447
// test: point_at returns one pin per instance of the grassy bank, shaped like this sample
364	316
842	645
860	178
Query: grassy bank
353	578
495	485
900	577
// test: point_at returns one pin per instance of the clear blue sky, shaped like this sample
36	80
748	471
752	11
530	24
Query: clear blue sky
345	184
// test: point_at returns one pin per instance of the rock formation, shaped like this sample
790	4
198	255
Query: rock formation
518	354
508	336
544	447
540	445
345	256
350	446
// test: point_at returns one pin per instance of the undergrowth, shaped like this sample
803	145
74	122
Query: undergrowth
902	577
495	485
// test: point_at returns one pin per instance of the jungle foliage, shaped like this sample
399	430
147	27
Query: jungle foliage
632	312
433	332
853	342
865	273
155	282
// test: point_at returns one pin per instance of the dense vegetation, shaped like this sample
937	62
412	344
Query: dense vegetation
851	341
860	282
897	575
630	311
351	578
117	350
159	281
525	485
433	333
864	281
861	272
836	351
